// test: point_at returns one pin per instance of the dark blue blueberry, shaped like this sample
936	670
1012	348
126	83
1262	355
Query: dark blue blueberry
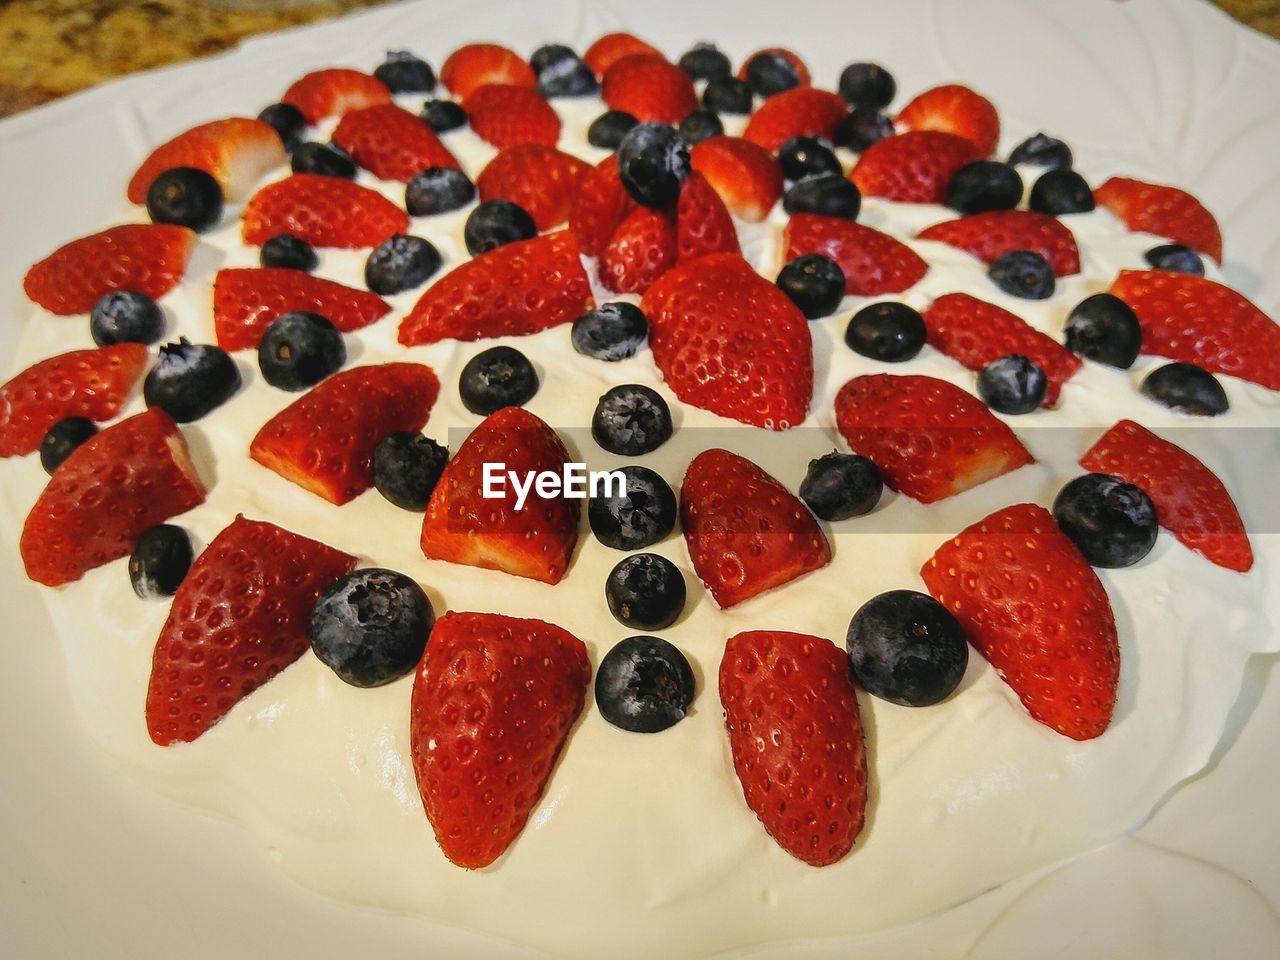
406	468
653	161
62	439
290	252
612	331
889	332
829	195
727	95
906	648
814	283
160	561
807	157
438	190
770	73
644	685
1104	329
645	592
1061	191
495	223
402	72
185	196
443	115
1012	384
299	350
1186	388
371	626
400	263
1175	257
638	518
705	62
631	420
841	485
1023	274
867	85
609	129
190	379
325	159
288	121
561	72
863	127
984	185
496	378
701	124
1112	522
1042	150
124	316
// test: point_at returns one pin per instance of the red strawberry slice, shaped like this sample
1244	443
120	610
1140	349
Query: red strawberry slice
148	258
1165	211
541	180
1202	322
324	211
237	620
974	332
476	65
1191	502
517	289
508	116
324	440
612	47
1033	606
798	112
391	143
703	223
747	176
335	91
463	526
600	205
83	383
796	738
642	249
874	263
746	532
493	702
997	232
801	70
113	488
913	167
650	88
953	108
930	439
729	341
235	151
247	300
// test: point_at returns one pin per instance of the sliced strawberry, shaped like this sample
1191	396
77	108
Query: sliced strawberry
974	332
953	108
334	92
930	439
1033	606
612	47
237	620
650	88
113	488
874	263
1202	322
703	223
1191	502
798	112
324	211
247	300
516	289
1164	211
913	167
796	738
476	65
729	341
599	206
464	526
997	232
801	70
235	151
508	116
746	532
747	176
83	383
493	702
391	143
324	440
642	249
147	258
541	180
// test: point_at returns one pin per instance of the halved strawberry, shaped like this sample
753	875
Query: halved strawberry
333	92
247	300
930	439
798	112
997	232
874	263
147	258
324	440
747	176
600	205
746	532
83	383
237	620
493	702
953	108
642	249
508	115
113	488
391	143
516	289
324	211
612	47
463	526
540	179
650	88
729	341
1032	605
235	151
912	167
475	65
1191	502
1164	211
703	223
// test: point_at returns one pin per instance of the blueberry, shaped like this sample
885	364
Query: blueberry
1104	329
807	157
814	283
185	196
561	72
705	62
299	350
160	561
1175	257
609	129
984	185
1023	274
406	468
124	316
1012	385
402	72
325	159
653	161
1112	522
400	263
1061	191
701	124
496	378
638	518
438	190
62	439
288	121
905	647
727	95
371	626
841	485
286	250
889	332
190	379
612	331
770	73
1042	150
645	592
867	85
644	685
631	420
829	195
495	223
861	128
1186	388
443	115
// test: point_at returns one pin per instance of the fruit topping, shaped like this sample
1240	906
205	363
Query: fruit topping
370	626
644	685
906	648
